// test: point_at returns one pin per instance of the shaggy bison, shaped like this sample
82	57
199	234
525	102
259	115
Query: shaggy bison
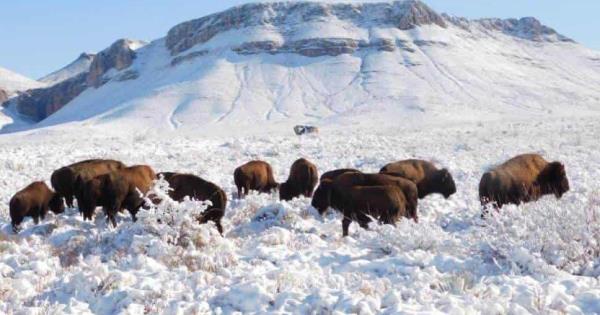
331	175
302	180
63	179
34	201
183	185
254	175
429	179
523	178
117	190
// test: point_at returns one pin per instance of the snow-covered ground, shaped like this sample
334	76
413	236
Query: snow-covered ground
280	257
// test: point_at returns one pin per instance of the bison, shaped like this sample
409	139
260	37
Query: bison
183	185
117	190
64	179
302	180
34	201
358	203
428	178
523	178
408	188
331	175
254	175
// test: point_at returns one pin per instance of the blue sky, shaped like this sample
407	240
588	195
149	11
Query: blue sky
40	36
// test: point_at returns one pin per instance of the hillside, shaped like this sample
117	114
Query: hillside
259	67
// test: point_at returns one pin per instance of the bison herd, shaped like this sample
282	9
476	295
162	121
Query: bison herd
386	196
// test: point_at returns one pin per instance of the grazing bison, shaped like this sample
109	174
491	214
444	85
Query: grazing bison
254	175
358	203
523	178
64	179
429	179
34	201
183	185
332	175
117	190
408	188
302	180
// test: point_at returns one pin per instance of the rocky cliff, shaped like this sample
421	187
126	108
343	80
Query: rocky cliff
40	103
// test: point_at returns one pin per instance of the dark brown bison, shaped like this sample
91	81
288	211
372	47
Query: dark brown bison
331	175
359	203
523	178
254	175
302	180
117	190
183	185
63	180
408	188
429	179
34	201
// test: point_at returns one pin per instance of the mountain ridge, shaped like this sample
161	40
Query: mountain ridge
389	53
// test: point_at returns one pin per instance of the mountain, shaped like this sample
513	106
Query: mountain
80	65
11	83
261	66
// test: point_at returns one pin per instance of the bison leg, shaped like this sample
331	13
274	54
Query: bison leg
345	225
69	200
36	219
219	226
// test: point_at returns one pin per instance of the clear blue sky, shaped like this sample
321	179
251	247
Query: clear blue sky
39	36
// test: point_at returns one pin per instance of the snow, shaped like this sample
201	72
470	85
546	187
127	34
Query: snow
80	65
13	82
282	257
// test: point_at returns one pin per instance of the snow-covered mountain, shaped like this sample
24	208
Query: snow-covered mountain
11	82
80	65
264	65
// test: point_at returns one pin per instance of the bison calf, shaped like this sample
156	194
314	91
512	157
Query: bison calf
524	178
428	178
254	175
34	201
301	181
183	185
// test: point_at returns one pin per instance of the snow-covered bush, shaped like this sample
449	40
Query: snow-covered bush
538	237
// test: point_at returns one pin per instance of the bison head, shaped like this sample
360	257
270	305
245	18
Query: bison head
322	196
554	179
446	187
287	191
57	204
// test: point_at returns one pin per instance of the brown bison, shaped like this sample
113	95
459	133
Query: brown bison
358	203
408	188
523	178
254	175
331	175
302	180
34	201
63	179
429	179
183	185
117	190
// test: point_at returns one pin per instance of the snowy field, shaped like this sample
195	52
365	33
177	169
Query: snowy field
279	257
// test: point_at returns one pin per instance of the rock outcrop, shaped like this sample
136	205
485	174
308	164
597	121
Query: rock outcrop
43	102
403	15
3	96
119	56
